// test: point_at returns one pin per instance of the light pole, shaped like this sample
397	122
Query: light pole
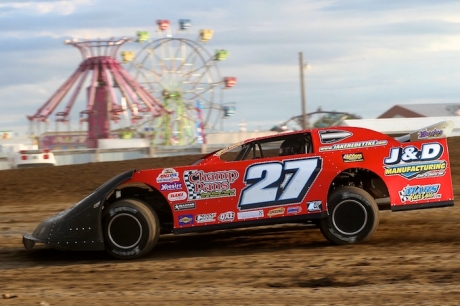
303	66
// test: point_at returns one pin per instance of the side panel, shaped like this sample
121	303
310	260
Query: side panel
418	175
241	193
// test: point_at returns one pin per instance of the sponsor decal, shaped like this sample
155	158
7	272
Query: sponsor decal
276	211
278	183
314	206
250	214
184	206
185	219
411	162
352	157
354	145
171	186
226	216
205	185
433	173
177	196
419	193
427	134
205	218
168	175
294	210
428	152
418	170
331	136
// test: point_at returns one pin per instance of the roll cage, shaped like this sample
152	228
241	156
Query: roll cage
270	147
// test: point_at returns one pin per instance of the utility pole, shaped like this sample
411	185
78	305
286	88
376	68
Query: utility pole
302	67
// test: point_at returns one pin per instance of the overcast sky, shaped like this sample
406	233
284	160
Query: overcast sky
365	55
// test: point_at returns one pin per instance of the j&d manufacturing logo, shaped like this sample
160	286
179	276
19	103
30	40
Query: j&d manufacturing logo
419	170
412	162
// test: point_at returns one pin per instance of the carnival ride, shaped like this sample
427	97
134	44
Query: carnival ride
184	76
173	92
316	119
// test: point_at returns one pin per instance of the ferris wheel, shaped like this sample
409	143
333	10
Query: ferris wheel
185	78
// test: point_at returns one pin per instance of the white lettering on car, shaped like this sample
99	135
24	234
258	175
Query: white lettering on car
275	183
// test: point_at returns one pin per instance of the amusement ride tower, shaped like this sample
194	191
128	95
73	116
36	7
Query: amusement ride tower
173	91
111	91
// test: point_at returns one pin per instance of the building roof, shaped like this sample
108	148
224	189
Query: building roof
422	110
396	126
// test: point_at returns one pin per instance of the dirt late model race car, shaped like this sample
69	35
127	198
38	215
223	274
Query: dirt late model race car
337	178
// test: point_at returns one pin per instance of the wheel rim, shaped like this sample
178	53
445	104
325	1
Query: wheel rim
349	217
124	231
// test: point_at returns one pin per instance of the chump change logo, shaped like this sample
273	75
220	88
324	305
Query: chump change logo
205	185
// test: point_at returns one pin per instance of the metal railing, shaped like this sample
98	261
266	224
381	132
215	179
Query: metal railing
83	156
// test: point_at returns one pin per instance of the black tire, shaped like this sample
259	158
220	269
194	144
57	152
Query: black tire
353	216
131	229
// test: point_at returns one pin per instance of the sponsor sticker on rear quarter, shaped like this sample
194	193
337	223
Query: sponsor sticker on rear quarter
352	157
250	214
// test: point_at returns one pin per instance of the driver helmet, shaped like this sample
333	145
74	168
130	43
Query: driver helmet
291	146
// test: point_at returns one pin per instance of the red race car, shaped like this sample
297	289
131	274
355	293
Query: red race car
337	178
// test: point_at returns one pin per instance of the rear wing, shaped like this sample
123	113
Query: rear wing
439	130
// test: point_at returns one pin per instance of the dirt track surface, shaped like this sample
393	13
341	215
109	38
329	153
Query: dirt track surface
413	259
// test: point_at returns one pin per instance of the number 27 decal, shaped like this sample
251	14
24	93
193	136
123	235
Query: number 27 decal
277	183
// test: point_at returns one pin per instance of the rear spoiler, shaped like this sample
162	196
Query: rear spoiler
439	130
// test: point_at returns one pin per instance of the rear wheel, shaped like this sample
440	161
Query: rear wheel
353	216
131	229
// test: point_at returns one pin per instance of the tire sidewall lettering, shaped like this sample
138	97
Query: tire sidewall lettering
364	231
112	213
116	210
348	218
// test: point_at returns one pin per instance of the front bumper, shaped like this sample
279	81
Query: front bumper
79	227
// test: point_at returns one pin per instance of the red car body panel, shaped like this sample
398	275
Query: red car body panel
250	184
417	175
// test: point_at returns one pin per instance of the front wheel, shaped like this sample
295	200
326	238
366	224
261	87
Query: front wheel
131	229
353	216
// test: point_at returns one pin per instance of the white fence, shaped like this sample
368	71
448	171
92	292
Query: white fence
83	156
220	140
126	149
